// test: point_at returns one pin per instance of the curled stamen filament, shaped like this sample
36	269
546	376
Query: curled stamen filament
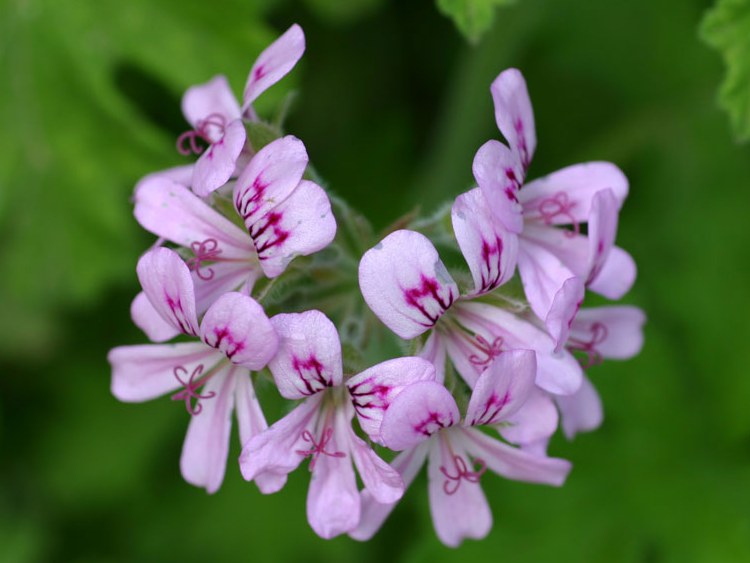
187	142
204	251
588	348
190	389
318	447
559	204
491	351
453	482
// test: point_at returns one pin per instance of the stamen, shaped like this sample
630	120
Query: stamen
592	356
210	130
318	447
559	204
204	251
190	390
491	351
453	482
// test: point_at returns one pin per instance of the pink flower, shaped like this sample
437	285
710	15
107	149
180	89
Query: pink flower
424	422
308	366
285	216
216	117
593	192
410	290
211	376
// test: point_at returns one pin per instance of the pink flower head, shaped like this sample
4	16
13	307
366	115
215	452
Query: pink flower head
285	216
216	117
424	422
406	285
614	332
211	376
593	192
308	366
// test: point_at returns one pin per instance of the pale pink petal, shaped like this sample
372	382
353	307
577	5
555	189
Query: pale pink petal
556	372
383	481
405	284
333	500
374	389
269	178
499	175
274	63
459	508
204	453
373	513
513	113
309	355
489	249
300	225
602	231
534	423
237	326
216	165
280	449
612	332
616	276
571	248
418	412
183	175
564	197
212	98
513	463
565	306
503	388
150	321
582	411
434	352
214	280
141	373
469	356
166	281
170	210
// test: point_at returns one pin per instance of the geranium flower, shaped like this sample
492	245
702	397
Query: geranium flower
309	366
592	192
216	117
424	422
285	216
211	376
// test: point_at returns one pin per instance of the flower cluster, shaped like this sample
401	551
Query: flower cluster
492	375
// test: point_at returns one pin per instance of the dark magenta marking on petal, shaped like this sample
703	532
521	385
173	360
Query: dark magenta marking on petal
259	72
247	206
433	423
366	395
225	342
453	481
179	314
491	260
265	239
428	292
492	408
310	372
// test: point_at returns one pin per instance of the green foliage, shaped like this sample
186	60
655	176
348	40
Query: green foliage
472	17
726	27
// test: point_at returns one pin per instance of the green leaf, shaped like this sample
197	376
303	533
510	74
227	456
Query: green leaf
726	28
472	17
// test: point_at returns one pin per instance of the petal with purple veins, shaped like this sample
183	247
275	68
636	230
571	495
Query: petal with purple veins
216	165
514	114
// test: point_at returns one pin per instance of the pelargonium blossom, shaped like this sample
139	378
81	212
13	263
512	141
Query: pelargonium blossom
409	289
217	119
284	215
211	376
424	422
308	366
591	192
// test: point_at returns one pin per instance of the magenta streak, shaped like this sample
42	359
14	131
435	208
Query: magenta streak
247	206
318	447
599	334
190	389
259	72
598	262
492	408
179	314
277	236
559	204
225	342
373	398
453	482
431	424
428	288
310	372
491	351
203	130
525	160
207	250
494	253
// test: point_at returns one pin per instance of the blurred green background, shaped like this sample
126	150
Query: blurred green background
392	104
